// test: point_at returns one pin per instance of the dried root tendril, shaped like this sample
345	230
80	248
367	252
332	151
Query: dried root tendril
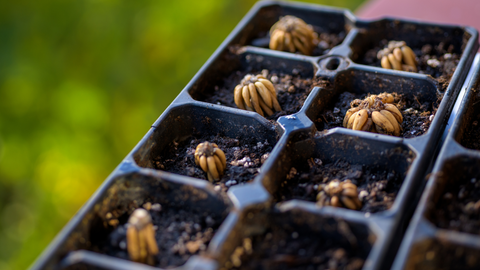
211	159
339	194
141	243
256	93
376	113
293	34
397	55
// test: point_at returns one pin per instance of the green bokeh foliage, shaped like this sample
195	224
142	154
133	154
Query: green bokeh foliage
80	83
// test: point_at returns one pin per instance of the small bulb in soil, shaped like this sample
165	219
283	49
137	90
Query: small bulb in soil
397	55
376	113
293	34
256	93
339	194
211	159
141	243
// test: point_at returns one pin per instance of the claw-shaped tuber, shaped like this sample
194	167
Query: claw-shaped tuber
339	194
256	93
375	113
293	34
141	243
397	55
211	159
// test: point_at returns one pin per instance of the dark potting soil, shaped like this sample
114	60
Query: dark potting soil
244	158
326	39
472	129
292	90
180	233
285	247
417	114
459	207
436	60
441	255
471	135
377	186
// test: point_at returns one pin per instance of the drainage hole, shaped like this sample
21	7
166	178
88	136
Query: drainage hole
333	64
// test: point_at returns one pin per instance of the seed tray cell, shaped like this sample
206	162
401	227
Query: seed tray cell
447	210
431	41
308	163
457	192
293	80
182	211
434	254
469	128
291	237
259	192
331	25
418	98
246	140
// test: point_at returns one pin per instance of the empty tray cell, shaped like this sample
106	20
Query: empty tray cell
245	141
468	132
376	168
185	218
293	80
433	254
438	49
417	99
330	25
299	240
456	198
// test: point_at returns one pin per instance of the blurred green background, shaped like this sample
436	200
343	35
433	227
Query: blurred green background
80	83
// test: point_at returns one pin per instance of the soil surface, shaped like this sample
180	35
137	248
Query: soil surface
442	255
471	135
417	114
472	129
292	90
244	159
377	186
459	207
180	233
285	247
437	60
326	40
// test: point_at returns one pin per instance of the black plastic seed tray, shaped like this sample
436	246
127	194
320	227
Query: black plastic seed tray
444	231
262	213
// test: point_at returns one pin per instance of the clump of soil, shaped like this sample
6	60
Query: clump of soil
283	246
327	40
180	233
292	90
437	60
377	186
244	158
459	207
417	115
